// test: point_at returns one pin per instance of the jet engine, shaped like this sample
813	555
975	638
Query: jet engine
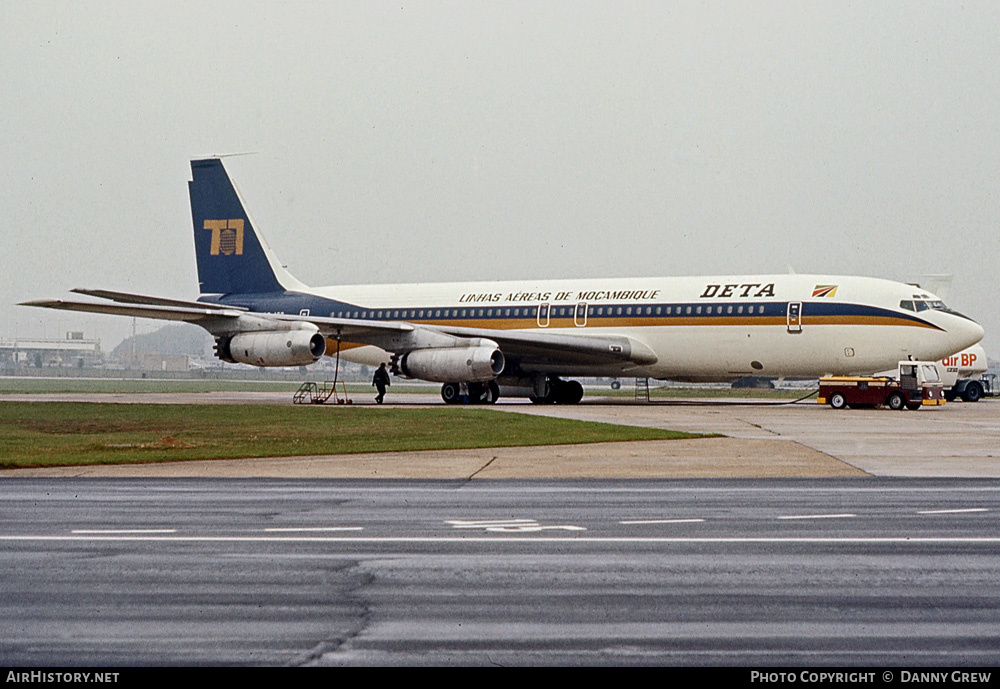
451	364
272	348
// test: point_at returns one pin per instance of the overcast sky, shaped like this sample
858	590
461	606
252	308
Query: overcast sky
417	142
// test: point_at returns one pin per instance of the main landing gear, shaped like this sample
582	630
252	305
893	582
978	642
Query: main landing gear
554	391
560	392
475	393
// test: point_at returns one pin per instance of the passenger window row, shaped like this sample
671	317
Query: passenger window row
561	312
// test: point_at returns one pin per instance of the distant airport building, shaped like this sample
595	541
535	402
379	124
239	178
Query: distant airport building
74	350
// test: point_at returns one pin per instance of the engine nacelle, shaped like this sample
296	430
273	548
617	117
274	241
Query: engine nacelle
452	364
275	348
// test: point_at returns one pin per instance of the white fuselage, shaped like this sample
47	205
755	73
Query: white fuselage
699	328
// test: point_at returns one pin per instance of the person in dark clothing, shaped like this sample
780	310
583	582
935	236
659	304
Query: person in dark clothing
380	381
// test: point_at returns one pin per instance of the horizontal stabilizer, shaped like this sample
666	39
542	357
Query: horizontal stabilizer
129	298
166	313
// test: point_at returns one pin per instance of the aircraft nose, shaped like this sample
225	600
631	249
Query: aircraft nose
967	333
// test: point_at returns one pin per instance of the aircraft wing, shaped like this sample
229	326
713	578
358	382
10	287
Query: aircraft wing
527	346
542	347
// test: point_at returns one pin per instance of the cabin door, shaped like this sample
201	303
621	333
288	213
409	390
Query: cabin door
794	317
543	316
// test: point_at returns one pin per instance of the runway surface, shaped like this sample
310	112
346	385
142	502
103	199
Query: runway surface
862	571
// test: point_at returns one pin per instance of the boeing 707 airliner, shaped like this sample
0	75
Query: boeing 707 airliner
531	337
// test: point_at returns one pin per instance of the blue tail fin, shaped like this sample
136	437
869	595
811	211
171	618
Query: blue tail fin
232	258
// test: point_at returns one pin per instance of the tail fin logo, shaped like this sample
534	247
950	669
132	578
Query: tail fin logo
227	236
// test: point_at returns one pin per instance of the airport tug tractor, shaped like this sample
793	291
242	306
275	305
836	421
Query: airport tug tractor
917	384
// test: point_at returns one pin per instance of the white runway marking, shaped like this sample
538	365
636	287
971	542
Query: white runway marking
313	528
486	523
504	525
970	509
661	521
819	516
122	531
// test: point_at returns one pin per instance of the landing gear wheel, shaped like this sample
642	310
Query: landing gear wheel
838	401
973	392
561	392
572	392
450	393
896	401
476	393
548	390
484	393
913	406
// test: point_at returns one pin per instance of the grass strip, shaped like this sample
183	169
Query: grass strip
27	386
32	386
37	434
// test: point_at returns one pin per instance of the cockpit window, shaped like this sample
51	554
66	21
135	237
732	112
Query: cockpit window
924	305
925	302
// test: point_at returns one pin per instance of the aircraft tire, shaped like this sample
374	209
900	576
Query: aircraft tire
896	401
484	393
973	392
490	394
914	406
450	393
551	395
572	392
476	393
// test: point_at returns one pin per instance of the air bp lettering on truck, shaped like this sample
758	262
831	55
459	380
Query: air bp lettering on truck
964	375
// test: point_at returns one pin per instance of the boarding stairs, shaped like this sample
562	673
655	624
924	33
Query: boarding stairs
320	393
642	389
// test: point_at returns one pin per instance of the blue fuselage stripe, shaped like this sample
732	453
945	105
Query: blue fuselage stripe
294	303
